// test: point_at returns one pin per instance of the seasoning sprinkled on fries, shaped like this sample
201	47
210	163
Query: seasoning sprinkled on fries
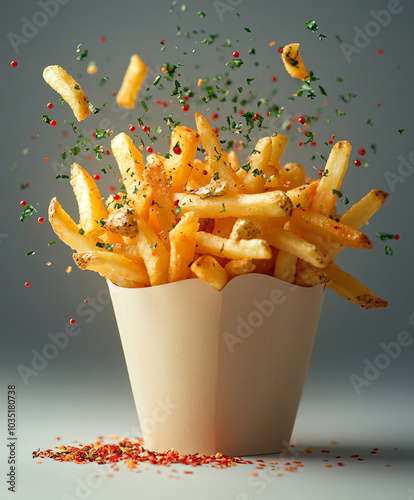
183	217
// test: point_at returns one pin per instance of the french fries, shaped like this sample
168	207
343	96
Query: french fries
108	264
209	270
69	89
180	217
183	245
133	79
293	62
269	204
92	212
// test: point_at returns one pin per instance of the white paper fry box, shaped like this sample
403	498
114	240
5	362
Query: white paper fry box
218	371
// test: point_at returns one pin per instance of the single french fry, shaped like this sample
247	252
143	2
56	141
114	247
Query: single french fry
358	215
68	231
232	249
209	270
109	263
293	62
163	202
350	288
324	199
148	245
301	197
292	175
130	161
285	266
269	204
182	243
69	89
258	165
279	144
122	222
234	268
361	211
179	166
214	153
92	212
223	227
329	228
290	242
311	276
133	79
131	166
233	160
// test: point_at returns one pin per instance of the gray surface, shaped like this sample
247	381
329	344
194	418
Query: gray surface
84	391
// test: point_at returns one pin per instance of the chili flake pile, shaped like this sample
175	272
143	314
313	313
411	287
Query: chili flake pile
132	454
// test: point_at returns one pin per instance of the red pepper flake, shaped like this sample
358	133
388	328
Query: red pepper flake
256	116
102	39
116	197
177	150
176	203
90	158
149	149
379	105
53	123
292	121
354	456
241	112
46	160
330	142
23	203
361	152
145	129
214	117
205	173
97	177
186	97
375	449
72	321
274	78
185	108
288	127
301	119
357	163
111	189
132	128
313	143
280	50
40	220
328	451
32	137
396	236
107	152
13	64
340	464
373	452
235	54
380	52
27	284
300	143
361	459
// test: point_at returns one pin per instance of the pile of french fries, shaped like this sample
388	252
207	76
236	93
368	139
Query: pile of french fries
182	217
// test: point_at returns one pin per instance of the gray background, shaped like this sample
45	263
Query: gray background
84	392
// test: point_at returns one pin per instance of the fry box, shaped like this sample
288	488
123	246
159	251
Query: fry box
218	371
